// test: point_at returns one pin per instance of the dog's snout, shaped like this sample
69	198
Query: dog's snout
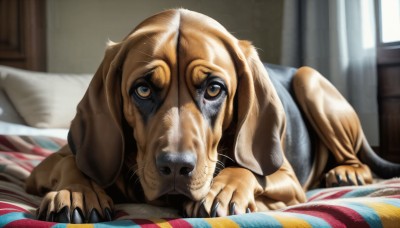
176	163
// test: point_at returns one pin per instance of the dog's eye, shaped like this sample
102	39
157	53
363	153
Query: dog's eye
143	91
213	90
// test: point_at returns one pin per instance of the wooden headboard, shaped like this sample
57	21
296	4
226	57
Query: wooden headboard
23	34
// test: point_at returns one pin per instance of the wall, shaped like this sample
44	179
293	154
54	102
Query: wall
78	30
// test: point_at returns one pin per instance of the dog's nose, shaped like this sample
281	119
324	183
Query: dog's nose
182	163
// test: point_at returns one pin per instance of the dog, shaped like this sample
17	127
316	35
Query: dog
180	113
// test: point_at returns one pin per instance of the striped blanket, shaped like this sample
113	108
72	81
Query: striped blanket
376	205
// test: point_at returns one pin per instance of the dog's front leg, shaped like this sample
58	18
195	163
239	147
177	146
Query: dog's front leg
237	190
69	195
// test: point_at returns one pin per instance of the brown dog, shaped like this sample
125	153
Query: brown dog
180	109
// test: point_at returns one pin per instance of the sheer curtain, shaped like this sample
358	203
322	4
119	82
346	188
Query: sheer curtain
337	37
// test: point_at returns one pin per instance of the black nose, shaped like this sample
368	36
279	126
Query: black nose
180	163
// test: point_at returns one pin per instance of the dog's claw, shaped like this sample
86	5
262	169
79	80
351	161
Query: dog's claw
108	214
232	208
350	181
202	213
63	215
41	216
339	179
49	218
359	181
248	210
94	216
184	214
77	216
214	210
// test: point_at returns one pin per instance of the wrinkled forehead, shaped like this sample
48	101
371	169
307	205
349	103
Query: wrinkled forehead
178	38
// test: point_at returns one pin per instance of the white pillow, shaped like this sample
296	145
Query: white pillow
45	100
7	110
7	128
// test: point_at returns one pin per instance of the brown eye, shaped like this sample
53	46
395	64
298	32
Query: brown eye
213	90
143	91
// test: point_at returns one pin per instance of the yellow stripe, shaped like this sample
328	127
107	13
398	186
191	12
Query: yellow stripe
287	221
386	212
161	223
221	222
80	226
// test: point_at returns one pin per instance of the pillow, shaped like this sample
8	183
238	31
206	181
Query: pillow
7	110
45	100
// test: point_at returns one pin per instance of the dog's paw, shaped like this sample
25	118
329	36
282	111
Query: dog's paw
348	175
232	192
76	204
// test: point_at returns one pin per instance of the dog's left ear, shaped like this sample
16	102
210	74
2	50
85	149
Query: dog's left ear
261	118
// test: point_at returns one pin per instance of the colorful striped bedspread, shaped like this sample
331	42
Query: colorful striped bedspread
376	205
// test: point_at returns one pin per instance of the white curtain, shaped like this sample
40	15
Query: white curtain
337	37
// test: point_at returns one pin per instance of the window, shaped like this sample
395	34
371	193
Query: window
389	21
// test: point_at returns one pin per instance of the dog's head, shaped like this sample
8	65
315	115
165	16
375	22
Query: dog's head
168	96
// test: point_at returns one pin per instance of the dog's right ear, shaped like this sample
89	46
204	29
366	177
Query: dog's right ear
96	135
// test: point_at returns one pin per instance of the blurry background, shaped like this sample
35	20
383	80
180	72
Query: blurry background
82	28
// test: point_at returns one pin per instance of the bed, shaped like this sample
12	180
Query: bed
33	125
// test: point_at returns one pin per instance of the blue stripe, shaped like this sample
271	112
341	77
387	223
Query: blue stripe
360	192
13	216
46	143
312	220
198	222
255	220
369	214
60	225
393	201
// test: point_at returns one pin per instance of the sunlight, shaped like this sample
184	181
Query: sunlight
367	19
390	20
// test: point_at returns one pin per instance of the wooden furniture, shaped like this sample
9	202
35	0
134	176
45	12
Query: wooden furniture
23	34
389	102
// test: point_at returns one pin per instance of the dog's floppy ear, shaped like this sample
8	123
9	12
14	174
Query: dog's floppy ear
261	118
96	136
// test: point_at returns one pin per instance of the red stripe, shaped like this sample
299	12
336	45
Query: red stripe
119	214
336	216
41	151
21	155
145	223
391	181
22	160
30	223
6	211
5	142
18	158
179	223
11	208
335	195
394	196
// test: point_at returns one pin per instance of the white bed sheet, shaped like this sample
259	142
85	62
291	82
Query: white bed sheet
7	128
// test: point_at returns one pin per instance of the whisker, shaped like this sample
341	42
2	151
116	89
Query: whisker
136	181
134	172
133	167
220	163
227	157
144	53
